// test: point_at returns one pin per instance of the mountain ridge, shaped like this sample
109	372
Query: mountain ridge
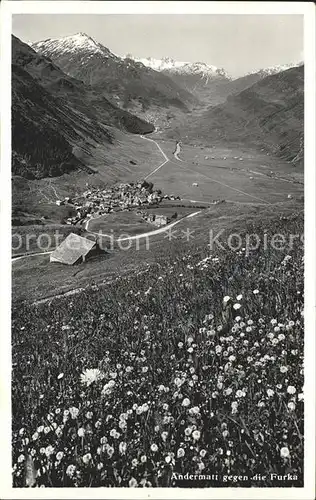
128	82
269	115
46	103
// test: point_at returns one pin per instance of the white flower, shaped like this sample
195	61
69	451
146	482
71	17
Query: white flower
284	452
107	388
270	392
194	411
226	299
59	455
81	432
168	459
228	391
256	291
21	458
70	470
86	458
91	375
283	369
300	396
110	451
291	389
291	406
177	381
49	450
196	435
132	483
164	436
239	297
186	402
74	412
239	394
188	431
59	432
143	459
237	306
60	376
35	436
154	447
180	453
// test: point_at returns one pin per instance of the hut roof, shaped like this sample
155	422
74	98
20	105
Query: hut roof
71	249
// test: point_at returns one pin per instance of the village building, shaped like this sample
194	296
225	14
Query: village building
73	250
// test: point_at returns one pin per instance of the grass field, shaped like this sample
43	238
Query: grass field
211	380
230	179
129	223
118	223
45	279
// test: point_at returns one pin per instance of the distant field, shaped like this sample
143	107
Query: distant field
118	223
232	179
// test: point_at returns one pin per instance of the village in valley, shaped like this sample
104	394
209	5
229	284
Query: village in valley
95	202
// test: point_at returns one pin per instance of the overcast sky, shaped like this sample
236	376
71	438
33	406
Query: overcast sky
238	43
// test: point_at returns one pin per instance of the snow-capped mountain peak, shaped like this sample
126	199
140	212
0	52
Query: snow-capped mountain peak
168	64
273	70
73	43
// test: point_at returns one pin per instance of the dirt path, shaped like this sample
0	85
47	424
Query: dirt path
143	235
163	154
14	259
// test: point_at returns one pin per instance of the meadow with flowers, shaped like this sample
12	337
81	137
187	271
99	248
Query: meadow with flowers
194	366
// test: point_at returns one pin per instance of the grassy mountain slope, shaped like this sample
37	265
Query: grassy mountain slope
52	114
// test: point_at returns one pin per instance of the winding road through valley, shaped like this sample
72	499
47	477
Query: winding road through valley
134	237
